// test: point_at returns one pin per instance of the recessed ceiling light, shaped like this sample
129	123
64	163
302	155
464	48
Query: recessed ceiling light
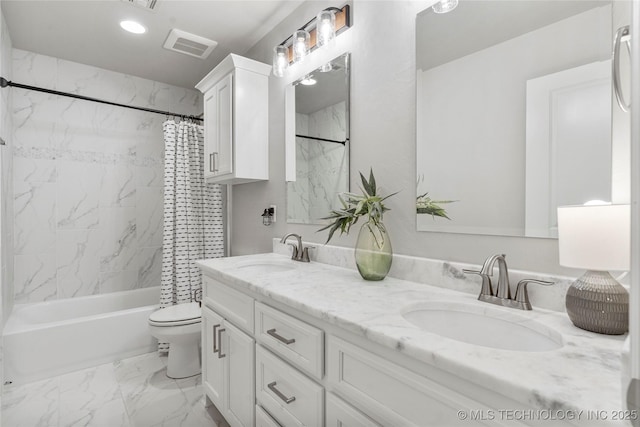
133	27
308	81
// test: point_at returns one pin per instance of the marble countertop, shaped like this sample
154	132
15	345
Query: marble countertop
582	375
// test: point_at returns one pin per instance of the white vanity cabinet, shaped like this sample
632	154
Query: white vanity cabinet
269	365
236	121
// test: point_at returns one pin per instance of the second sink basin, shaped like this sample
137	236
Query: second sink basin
484	326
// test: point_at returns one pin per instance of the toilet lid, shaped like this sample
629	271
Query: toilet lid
180	314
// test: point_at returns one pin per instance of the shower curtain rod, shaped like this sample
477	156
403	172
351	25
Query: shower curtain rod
323	139
6	83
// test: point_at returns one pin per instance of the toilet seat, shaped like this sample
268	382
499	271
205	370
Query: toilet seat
177	315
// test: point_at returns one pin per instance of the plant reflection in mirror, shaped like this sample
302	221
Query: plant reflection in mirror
425	205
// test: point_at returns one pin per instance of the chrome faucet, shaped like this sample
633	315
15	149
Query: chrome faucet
300	253
502	294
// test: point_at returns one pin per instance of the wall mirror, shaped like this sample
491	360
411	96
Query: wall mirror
513	114
317	116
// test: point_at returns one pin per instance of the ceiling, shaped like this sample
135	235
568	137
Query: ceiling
477	24
88	32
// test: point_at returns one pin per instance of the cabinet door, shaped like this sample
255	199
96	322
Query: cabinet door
212	366
238	351
210	129
223	157
339	414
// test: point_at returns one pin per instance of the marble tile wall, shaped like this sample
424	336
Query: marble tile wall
321	167
87	179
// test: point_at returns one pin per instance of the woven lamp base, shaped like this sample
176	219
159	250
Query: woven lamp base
596	302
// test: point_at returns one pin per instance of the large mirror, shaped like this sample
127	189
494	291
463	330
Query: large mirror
513	114
320	121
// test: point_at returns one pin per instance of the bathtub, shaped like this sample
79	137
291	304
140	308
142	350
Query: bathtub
46	339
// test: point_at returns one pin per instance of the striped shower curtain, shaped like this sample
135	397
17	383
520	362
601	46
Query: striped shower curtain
193	226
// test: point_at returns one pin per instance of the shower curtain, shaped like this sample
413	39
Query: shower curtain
193	226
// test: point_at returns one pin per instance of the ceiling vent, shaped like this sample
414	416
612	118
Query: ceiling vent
189	44
145	4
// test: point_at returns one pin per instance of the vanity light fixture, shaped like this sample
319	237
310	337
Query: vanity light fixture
280	60
444	6
326	27
133	27
596	238
301	40
318	32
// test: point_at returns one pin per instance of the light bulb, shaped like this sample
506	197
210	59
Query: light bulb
325	28
444	6
300	45
280	60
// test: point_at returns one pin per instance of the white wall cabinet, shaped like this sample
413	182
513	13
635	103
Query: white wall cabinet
236	121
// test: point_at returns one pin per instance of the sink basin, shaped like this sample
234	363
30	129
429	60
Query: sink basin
483	326
267	266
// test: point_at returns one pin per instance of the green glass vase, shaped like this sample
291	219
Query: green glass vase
373	251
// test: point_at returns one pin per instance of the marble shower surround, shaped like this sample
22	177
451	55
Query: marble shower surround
321	167
87	179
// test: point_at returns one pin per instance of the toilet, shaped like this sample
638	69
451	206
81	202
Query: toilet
179	325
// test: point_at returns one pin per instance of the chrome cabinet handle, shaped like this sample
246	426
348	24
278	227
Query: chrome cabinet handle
220	355
280	338
285	399
215	347
211	161
215	161
622	32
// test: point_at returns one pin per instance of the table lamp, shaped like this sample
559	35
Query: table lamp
596	238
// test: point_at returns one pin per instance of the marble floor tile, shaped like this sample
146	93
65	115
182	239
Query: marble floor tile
132	392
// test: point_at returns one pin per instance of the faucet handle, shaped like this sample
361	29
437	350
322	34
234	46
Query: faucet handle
522	295
294	252
305	253
486	288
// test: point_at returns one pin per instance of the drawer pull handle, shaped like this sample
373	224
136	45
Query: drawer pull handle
220	355
280	338
285	399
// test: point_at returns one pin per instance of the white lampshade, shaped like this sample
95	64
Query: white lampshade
594	237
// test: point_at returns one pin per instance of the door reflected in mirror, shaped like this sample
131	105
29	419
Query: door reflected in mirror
513	114
321	161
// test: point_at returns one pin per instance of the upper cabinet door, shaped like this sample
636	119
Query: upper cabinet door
210	139
223	121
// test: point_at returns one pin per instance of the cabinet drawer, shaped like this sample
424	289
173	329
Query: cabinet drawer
294	340
291	397
263	419
393	395
340	413
231	304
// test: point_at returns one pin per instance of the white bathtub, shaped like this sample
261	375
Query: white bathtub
50	338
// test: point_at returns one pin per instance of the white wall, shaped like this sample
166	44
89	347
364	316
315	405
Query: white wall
88	179
383	99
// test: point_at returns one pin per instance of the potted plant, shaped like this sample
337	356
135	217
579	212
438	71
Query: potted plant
373	251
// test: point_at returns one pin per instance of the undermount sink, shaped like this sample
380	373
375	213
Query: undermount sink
267	266
483	326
